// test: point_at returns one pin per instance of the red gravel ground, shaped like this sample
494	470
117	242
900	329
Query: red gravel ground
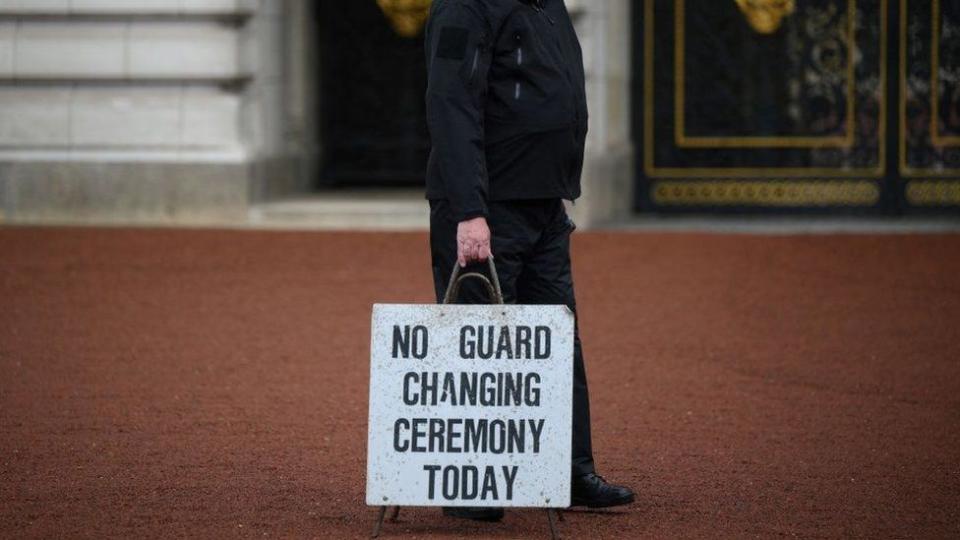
161	383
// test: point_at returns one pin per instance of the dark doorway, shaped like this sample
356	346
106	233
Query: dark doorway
372	83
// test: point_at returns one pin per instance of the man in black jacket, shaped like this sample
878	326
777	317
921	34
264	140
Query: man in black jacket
507	112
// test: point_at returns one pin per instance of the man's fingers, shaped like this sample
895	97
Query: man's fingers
473	241
472	251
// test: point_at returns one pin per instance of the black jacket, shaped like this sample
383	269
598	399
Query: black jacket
506	104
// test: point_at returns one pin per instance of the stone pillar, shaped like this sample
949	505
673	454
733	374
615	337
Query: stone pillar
608	176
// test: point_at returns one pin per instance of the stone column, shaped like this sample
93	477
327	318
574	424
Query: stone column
608	176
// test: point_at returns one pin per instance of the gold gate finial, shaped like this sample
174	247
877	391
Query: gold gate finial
406	16
766	16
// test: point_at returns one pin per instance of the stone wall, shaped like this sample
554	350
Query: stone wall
139	110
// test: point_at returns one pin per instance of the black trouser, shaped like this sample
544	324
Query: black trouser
531	247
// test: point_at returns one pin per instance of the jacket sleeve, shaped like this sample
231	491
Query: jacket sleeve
458	60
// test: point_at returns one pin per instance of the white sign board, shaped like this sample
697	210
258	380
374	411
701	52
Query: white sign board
470	405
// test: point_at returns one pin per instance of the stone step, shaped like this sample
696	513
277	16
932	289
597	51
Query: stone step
392	210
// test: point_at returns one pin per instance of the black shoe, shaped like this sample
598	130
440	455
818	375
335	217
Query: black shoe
490	515
592	491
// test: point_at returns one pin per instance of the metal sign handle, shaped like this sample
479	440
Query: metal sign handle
492	284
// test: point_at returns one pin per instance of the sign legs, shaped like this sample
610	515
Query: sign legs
394	513
379	523
553	516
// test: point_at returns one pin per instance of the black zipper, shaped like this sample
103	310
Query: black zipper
475	65
537	6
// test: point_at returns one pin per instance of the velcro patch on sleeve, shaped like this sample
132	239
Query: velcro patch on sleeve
453	43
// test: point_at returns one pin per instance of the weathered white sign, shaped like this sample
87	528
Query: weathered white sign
470	405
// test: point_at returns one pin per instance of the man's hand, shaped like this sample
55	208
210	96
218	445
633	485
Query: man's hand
473	241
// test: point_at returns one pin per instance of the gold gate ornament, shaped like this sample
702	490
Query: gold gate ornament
407	17
766	16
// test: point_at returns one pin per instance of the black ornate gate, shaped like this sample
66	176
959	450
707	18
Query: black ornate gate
929	75
798	105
